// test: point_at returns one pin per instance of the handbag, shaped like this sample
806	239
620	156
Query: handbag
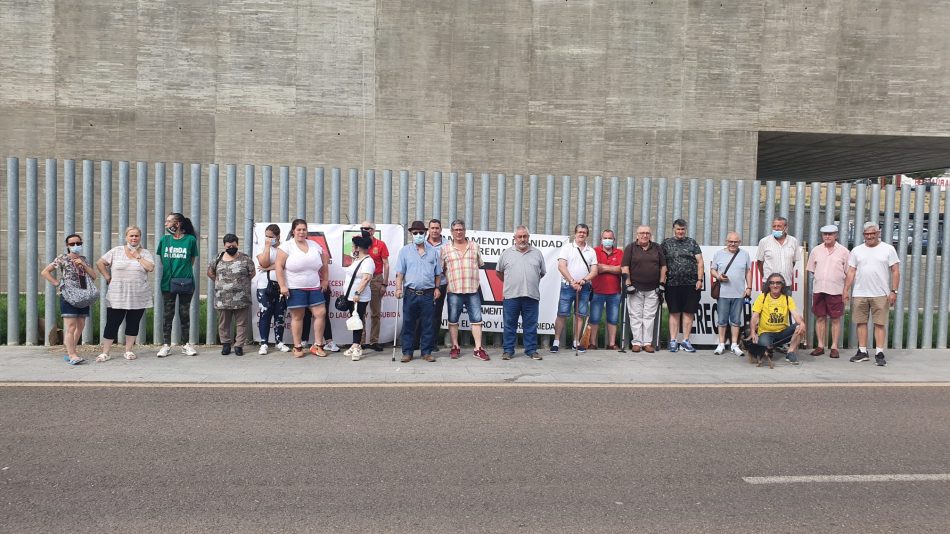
182	286
714	290
80	295
272	291
343	302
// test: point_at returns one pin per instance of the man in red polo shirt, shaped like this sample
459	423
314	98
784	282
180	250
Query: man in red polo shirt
606	287
378	284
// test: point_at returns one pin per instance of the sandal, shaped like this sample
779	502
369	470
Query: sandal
130	355
317	350
104	357
72	361
298	351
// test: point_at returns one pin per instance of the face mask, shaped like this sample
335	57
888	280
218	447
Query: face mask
172	229
418	239
75	249
231	251
273	242
777	234
366	233
132	247
608	243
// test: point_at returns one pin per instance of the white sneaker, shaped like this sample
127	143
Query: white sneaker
263	350
349	351
330	346
188	349
357	354
720	348
736	350
162	352
283	348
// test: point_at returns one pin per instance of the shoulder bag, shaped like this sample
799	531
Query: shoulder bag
343	302
80	295
714	290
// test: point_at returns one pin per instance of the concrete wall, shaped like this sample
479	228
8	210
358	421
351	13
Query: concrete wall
628	87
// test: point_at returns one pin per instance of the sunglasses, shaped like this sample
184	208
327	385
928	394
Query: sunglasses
417	233
775	283
74	243
366	228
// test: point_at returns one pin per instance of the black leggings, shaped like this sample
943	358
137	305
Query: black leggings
361	312
114	318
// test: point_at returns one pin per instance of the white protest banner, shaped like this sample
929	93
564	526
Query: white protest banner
338	247
492	244
705	331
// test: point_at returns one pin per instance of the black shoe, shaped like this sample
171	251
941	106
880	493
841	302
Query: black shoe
239	350
225	349
859	357
377	347
879	359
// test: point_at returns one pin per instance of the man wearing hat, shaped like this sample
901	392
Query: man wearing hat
418	272
828	263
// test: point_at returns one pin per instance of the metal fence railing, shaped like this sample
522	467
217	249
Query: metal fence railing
912	218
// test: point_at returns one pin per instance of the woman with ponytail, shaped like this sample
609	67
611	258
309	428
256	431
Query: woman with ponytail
177	250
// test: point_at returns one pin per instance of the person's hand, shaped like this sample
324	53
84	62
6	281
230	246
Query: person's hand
845	297
284	291
399	293
79	263
699	285
324	284
800	329
723	278
108	279
631	290
755	338
660	289
891	298
435	294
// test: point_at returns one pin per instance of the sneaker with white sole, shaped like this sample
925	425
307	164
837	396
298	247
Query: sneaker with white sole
720	348
283	348
164	351
673	346
357	354
331	346
188	349
687	346
263	350
736	350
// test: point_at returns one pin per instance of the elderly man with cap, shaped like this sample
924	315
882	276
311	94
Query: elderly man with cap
418	272
828	263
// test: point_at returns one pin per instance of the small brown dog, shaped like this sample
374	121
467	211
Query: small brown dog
757	354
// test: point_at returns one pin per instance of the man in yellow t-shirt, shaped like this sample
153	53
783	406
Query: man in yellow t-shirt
772	315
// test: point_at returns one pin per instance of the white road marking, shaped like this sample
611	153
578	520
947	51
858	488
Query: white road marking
576	385
935	477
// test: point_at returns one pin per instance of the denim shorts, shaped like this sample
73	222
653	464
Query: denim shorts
472	303
613	308
68	310
567	298
305	298
729	312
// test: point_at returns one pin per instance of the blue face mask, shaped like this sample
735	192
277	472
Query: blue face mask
76	249
777	234
274	242
418	239
609	243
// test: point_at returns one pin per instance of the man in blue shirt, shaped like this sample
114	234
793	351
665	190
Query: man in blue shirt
418	272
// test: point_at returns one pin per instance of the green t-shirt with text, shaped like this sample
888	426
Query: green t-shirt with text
177	257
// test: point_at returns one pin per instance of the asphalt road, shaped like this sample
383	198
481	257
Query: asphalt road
483	459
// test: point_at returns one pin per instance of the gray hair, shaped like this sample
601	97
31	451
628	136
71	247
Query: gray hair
457	222
870	225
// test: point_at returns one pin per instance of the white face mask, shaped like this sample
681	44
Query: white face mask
418	239
132	247
76	249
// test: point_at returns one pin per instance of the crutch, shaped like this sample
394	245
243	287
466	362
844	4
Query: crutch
656	321
623	317
396	327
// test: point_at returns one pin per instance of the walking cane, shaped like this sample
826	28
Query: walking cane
656	320
623	317
396	327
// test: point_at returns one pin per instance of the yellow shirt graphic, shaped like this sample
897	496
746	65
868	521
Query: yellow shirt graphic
773	313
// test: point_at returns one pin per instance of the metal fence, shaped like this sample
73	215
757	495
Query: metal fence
911	218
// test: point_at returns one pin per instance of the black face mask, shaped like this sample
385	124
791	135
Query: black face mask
231	251
366	233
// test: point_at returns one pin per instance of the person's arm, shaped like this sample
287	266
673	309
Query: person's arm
799	321
324	275
848	280
146	264
263	259
47	273
86	267
754	326
399	282
280	267
562	268
700	271
895	284
594	271
500	267
213	270
103	266
748	282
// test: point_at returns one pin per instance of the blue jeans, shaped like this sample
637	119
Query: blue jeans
768	339
568	297
527	309
417	309
269	311
612	302
472	303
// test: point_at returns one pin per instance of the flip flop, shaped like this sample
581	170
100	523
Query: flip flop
71	361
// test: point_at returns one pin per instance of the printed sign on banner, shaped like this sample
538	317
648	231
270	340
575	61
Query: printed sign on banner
705	331
492	244
338	247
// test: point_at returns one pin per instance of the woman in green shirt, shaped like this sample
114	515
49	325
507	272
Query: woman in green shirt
177	250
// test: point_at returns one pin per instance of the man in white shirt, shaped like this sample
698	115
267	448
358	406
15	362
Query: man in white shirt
777	253
869	267
577	264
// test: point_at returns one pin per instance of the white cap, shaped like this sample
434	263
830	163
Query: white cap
829	229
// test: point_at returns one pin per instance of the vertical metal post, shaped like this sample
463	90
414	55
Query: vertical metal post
845	211
500	203
370	198
927	340
437	197
581	199
69	197
740	212
874	211
88	227
548	206
124	197
565	204
709	192
678	199
178	185
661	207
319	188
453	197
944	274
814	242
301	194
283	208
105	234
421	196
844	236
52	210
533	203
598	209
613	220
387	196
13	251
645	201
915	270
353	196
211	325
32	249
470	199
230	191
830	202
141	220
518	207
486	200
267	193
159	231
628	223
198	270
786	196
693	210
800	213
755	197
723	212
404	199
336	184
897	338
769	203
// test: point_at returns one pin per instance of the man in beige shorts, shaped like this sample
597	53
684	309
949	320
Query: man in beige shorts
874	276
